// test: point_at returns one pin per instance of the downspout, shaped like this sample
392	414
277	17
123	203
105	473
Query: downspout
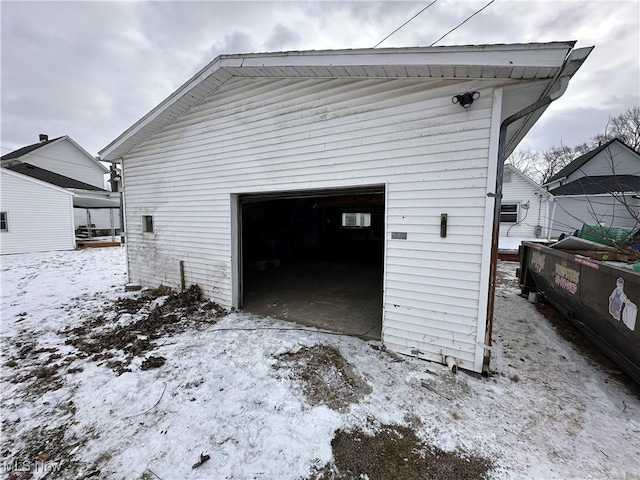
123	221
552	218
571	65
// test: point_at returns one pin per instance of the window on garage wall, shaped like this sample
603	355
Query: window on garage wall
356	220
147	223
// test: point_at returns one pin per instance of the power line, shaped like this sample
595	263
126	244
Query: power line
434	1
462	23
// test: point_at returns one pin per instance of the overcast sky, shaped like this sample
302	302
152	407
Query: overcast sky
90	70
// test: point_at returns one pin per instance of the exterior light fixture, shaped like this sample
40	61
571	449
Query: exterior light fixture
465	99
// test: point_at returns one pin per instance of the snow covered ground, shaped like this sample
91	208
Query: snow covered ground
512	243
223	392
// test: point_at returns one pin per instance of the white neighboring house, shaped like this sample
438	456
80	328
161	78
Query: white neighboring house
388	138
62	162
63	156
35	216
525	209
599	187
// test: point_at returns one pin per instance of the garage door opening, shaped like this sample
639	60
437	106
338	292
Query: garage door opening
315	258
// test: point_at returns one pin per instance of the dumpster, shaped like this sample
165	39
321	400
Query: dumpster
600	298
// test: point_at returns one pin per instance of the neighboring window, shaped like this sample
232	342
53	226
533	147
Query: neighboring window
147	223
506	176
4	221
356	219
509	213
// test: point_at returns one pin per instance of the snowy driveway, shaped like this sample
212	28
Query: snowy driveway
227	403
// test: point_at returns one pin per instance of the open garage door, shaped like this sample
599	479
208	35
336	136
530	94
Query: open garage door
315	257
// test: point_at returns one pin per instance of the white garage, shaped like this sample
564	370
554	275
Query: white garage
369	167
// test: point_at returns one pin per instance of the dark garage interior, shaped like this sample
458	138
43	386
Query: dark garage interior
315	258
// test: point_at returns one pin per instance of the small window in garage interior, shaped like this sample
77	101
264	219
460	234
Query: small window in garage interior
4	222
509	213
147	223
356	219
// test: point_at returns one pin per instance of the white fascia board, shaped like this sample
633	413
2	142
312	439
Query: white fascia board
90	193
518	55
557	180
571	64
197	79
87	154
36	181
500	56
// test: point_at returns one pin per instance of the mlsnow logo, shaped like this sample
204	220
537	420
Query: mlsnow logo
28	466
621	308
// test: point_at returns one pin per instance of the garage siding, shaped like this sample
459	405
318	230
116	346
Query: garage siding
266	135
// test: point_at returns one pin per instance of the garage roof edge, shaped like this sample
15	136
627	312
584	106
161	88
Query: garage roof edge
225	67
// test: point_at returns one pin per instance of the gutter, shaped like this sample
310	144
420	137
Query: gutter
571	65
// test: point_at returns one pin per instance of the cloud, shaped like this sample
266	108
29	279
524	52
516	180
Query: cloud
91	69
574	126
234	42
282	38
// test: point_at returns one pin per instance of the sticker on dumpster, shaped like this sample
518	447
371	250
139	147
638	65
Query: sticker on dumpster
566	278
621	308
537	261
586	262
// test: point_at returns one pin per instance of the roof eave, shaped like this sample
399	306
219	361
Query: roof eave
37	181
504	58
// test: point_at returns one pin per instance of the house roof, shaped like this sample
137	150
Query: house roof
6	171
21	152
515	62
583	159
527	179
28	149
50	177
599	185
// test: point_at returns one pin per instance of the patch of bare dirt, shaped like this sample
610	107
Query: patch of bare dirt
48	450
326	377
101	339
33	365
152	362
106	338
395	452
